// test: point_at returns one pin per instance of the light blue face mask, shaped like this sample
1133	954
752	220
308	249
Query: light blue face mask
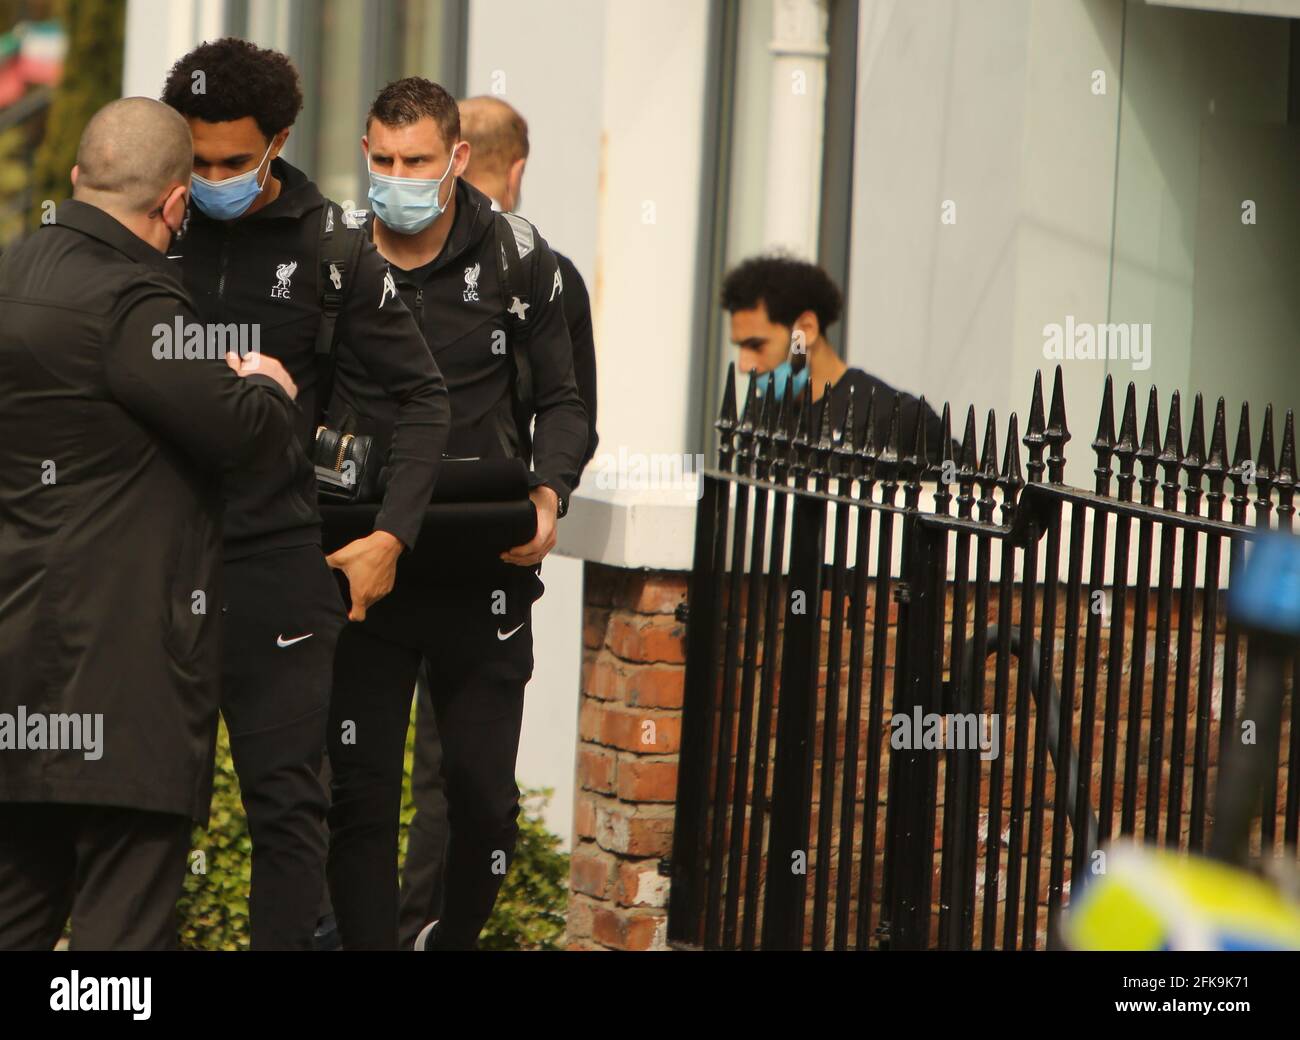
408	205
228	199
786	376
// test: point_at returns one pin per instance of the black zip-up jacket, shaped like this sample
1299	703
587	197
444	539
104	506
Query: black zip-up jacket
862	384
459	303
111	460
264	269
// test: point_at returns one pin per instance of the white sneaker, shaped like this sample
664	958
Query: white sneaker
422	940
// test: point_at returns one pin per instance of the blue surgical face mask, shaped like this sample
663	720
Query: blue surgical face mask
228	199
787	376
408	205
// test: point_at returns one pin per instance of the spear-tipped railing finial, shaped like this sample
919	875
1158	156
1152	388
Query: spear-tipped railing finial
726	424
966	467
1149	450
1171	456
1036	431
1057	433
988	471
945	467
1011	480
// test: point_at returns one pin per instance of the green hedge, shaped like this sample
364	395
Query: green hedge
529	913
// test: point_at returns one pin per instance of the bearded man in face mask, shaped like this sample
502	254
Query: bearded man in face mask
258	257
488	295
780	308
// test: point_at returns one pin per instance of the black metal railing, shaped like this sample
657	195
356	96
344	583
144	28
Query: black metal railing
833	631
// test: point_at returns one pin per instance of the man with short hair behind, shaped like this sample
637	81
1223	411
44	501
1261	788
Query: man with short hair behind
498	153
497	136
112	446
255	254
780	310
442	241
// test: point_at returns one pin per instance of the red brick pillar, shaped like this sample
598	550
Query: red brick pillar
629	732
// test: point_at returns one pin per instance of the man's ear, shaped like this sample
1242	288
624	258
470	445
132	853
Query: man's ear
277	142
173	208
76	172
515	181
460	158
804	333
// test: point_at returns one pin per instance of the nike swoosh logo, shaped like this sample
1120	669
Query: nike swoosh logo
507	635
281	642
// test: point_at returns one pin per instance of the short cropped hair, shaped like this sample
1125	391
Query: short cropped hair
231	79
409	100
496	132
786	286
131	151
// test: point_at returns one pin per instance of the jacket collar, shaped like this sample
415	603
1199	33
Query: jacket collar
298	195
98	224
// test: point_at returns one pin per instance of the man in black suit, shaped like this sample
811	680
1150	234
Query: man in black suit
117	422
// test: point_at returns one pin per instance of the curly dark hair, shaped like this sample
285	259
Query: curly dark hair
239	79
409	100
786	285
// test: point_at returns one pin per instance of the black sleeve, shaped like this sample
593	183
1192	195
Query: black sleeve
383	336
560	433
221	420
577	315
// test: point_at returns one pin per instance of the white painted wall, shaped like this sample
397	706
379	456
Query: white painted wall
547	59
989	106
612	92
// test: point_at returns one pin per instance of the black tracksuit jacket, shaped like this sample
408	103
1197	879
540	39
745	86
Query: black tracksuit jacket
265	269
459	304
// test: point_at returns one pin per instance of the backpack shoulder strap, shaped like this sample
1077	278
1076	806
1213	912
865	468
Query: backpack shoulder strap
339	247
516	263
516	249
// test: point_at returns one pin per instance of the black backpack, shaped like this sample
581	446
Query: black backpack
516	248
337	253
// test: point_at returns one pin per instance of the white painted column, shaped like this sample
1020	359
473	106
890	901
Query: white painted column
158	32
798	110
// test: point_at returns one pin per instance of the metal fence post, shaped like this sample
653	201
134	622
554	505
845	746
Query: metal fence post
788	852
689	855
909	839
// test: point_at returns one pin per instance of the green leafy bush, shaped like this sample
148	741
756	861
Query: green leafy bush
214	905
92	77
529	913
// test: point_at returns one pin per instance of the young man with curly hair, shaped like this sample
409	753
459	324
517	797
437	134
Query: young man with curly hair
780	310
253	254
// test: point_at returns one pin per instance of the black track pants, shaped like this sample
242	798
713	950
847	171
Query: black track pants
478	661
282	618
424	869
